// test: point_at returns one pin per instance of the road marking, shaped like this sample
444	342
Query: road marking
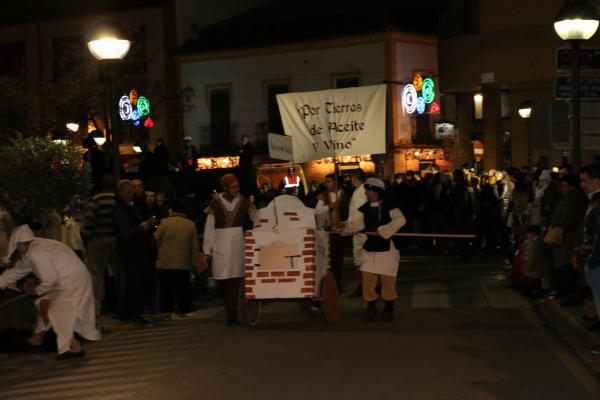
430	294
84	393
107	384
577	369
499	296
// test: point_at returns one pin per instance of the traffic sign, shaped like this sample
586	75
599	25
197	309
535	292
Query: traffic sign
589	58
589	87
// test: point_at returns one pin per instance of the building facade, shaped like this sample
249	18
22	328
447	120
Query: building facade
493	57
232	84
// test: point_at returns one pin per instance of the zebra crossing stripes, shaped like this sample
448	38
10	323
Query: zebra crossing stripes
116	368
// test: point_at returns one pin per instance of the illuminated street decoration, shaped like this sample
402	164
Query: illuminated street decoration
148	123
420	105
125	108
428	90
418	82
136	109
409	98
418	96
133	95
143	106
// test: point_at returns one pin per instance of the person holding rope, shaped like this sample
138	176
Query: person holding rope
64	281
380	219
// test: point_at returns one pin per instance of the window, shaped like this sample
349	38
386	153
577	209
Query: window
351	81
12	59
504	104
341	81
274	123
219	103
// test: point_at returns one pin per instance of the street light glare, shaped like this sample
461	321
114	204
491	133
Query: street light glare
109	48
576	29
72	126
525	112
576	20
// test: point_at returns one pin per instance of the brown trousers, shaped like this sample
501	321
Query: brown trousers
231	294
388	286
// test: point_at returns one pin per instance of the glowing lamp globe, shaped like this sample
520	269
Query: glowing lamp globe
525	109
107	41
576	20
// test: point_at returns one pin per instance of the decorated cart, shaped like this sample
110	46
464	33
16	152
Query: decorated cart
287	258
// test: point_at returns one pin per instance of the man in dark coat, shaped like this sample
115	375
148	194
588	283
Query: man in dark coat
133	252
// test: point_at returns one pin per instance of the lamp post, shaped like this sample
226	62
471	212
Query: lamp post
108	43
525	113
575	22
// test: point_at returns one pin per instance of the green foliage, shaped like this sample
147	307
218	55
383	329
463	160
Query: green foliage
37	175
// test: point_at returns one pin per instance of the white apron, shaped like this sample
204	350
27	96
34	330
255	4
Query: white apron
381	262
228	253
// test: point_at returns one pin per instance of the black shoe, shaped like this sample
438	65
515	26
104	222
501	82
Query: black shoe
231	322
357	292
371	313
387	315
69	355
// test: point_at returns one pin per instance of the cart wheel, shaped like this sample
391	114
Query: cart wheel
330	303
253	309
248	311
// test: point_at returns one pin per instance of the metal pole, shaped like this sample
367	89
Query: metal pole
114	124
576	117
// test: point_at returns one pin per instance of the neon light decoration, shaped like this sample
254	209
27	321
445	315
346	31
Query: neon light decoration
409	98
136	109
420	105
417	96
418	82
143	106
125	108
133	95
428	90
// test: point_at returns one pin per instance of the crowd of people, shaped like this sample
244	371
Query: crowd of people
141	247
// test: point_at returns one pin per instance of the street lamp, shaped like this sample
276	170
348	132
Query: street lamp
98	137
575	22
525	113
72	126
109	44
525	109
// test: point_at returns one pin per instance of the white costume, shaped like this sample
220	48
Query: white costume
226	245
359	197
380	262
65	281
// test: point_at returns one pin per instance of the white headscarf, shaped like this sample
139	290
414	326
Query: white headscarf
21	234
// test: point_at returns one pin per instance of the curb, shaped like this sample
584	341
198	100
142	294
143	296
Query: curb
567	325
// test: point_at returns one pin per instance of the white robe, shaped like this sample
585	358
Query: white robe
359	198
226	246
379	262
66	281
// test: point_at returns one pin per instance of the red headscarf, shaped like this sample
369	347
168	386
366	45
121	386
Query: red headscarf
228	179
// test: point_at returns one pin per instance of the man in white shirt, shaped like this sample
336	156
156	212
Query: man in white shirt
359	198
224	241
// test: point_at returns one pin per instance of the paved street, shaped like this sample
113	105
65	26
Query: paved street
458	334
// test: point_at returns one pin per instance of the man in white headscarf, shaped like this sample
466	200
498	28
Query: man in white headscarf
64	280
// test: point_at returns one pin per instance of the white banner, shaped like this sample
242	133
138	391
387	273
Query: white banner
337	122
280	147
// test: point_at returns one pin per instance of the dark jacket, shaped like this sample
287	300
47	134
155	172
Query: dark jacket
132	240
591	233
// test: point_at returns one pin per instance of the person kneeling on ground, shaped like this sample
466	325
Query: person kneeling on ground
66	282
380	220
